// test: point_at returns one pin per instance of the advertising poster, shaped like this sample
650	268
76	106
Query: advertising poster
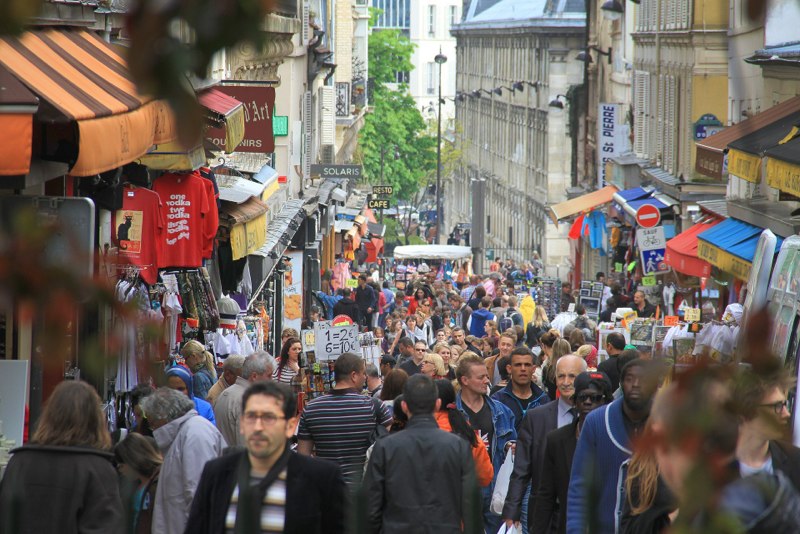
758	281
613	137
293	291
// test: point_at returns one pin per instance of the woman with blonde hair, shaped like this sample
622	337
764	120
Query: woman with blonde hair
455	354
589	355
64	479
538	326
201	363
446	353
560	347
433	366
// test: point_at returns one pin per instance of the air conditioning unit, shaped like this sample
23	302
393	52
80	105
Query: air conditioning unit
308	132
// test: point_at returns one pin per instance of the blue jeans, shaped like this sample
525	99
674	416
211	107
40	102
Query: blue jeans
491	520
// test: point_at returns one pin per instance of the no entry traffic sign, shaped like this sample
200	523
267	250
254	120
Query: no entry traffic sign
648	216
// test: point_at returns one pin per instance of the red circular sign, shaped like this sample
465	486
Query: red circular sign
648	216
342	320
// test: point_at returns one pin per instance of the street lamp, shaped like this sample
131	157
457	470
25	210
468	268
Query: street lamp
384	150
440	59
557	103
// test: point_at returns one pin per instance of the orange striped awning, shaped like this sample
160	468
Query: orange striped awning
17	106
79	77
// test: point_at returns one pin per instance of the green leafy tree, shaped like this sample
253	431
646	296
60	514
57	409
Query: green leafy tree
394	121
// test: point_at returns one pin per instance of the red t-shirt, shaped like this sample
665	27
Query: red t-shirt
186	202
211	222
138	231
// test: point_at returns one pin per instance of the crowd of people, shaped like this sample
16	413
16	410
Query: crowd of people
474	421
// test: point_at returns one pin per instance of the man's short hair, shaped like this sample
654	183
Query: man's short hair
486	302
467	361
258	363
497	302
566	284
453	297
166	404
751	387
456	329
346	292
420	394
406	341
599	275
290	332
580	309
281	392
616	340
522	351
347	363
512	301
233	363
372	371
388	360
510	335
362	277
420	342
479	292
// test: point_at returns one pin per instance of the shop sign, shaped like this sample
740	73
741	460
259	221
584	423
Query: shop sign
652	246
784	176
331	341
293	291
378	190
723	260
258	103
613	137
248	237
744	165
336	171
378	204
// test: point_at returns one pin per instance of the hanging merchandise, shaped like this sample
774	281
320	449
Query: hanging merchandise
138	231
197	296
188	219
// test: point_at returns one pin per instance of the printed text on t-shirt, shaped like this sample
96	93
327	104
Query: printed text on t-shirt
177	218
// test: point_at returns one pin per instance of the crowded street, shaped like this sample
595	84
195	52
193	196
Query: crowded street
399	267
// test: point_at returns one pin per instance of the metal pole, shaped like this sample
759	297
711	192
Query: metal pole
383	152
439	164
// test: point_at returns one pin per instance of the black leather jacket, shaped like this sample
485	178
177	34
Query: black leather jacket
421	480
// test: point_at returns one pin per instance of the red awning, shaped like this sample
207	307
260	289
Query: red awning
681	252
374	247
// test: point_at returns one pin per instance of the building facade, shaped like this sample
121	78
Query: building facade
513	59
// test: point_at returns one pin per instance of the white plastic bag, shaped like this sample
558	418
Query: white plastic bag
501	486
513	529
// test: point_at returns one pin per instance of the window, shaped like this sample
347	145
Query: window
453	15
431	78
401	76
432	21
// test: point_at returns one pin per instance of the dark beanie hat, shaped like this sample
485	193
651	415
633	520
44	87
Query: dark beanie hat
597	379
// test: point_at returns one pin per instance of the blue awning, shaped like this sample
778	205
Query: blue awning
734	236
636	204
634	194
630	200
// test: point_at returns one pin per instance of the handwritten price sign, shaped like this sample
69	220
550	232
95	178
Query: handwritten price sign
331	341
691	315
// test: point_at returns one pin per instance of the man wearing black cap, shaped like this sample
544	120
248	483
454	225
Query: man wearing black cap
592	390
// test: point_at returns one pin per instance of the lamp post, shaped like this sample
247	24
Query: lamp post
440	59
383	155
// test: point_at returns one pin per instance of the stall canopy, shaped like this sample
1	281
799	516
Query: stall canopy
730	246
783	165
582	204
225	112
744	154
681	253
17	106
375	244
630	200
432	252
79	77
711	150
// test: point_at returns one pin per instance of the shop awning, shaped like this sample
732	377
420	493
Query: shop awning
783	166
79	77
342	226
744	154
374	248
225	112
729	246
711	150
17	106
376	229
172	156
247	223
237	189
681	252
232	214
581	204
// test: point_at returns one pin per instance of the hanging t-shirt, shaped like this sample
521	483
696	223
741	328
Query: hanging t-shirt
138	231
211	221
482	422
186	202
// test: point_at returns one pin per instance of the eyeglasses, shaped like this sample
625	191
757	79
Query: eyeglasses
268	419
595	398
777	407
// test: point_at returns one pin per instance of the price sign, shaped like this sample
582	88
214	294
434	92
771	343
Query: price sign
351	283
618	267
648	281
671	320
571	307
691	315
331	341
307	338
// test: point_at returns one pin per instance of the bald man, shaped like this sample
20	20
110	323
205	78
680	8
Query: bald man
531	439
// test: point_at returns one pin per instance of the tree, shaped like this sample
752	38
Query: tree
394	120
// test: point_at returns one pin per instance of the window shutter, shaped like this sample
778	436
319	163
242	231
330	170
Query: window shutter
326	114
307	134
306	29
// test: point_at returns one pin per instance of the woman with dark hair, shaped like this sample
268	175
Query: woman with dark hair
399	417
576	339
393	384
64	479
451	420
138	459
289	361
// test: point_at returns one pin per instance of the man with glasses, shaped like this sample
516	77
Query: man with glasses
267	488
338	426
764	414
414	365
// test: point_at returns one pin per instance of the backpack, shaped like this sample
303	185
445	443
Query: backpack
508	320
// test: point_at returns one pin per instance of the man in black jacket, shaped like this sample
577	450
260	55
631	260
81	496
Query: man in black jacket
421	479
347	306
366	300
268	488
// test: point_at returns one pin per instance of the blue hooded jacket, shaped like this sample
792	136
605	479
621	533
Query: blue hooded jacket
477	325
203	407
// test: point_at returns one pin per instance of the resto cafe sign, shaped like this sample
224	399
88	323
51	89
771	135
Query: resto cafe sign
258	103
